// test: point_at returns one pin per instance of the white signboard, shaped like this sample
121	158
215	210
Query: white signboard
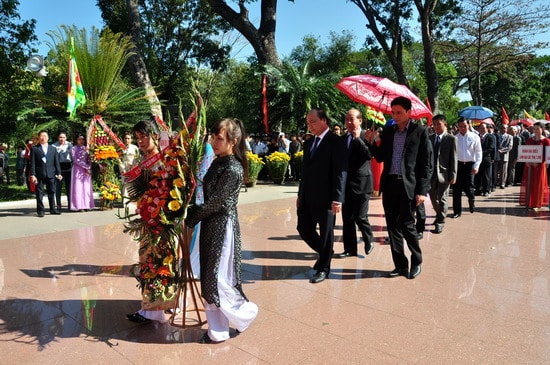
547	154
527	153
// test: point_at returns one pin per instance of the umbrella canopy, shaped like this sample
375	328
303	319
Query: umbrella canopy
476	112
487	121
378	92
529	122
525	122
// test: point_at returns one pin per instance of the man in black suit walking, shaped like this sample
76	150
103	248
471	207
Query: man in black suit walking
355	209
321	190
406	151
45	169
445	169
488	148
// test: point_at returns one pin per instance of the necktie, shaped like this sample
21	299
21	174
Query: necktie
349	139
315	144
436	147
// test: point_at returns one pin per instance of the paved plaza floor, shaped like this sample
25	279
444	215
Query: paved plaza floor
483	295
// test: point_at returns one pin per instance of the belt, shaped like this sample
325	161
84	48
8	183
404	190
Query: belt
465	162
398	177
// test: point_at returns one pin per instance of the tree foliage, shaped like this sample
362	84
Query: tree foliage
492	35
16	84
177	37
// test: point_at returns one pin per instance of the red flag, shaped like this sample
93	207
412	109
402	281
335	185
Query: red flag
505	119
264	103
546	116
429	119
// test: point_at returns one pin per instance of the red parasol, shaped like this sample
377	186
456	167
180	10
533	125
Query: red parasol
378	92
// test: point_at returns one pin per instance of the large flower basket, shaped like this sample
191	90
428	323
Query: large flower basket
105	149
277	165
255	165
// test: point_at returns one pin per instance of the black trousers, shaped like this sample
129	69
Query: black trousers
400	221
59	187
321	242
355	211
50	188
464	183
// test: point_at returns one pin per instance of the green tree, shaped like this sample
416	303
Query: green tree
261	38
491	35
16	85
296	91
100	58
174	39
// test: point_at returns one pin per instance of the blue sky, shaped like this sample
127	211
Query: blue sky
294	20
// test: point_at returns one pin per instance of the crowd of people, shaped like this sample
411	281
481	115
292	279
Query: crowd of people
61	168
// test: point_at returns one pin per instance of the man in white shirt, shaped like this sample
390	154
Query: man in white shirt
469	159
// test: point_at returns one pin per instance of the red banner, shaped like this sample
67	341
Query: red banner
108	130
505	119
429	119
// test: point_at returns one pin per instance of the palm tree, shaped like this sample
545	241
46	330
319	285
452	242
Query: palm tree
100	58
297	92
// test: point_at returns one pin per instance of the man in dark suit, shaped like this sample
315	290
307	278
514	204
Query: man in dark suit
44	165
406	151
321	190
445	166
488	148
355	209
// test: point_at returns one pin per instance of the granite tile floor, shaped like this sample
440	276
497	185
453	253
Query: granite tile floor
483	295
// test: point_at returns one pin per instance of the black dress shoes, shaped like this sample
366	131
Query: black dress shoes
205	339
455	215
437	230
342	255
137	318
40	214
398	272
56	212
415	271
369	247
420	235
318	277
472	207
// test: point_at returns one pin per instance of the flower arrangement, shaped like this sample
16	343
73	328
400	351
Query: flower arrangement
277	164
105	155
162	194
109	192
255	165
298	158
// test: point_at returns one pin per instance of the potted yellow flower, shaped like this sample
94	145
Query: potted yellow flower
277	165
255	165
298	159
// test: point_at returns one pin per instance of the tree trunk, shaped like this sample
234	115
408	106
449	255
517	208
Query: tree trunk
140	74
425	10
262	39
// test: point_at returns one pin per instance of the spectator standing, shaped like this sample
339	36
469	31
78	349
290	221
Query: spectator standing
44	169
4	165
63	148
20	164
128	160
534	186
506	144
513	155
82	195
